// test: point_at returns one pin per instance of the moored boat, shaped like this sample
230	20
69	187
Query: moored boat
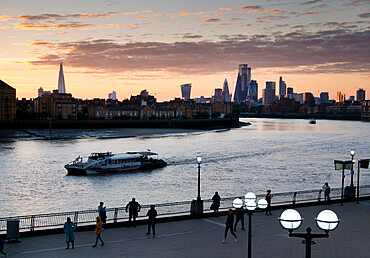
312	121
106	162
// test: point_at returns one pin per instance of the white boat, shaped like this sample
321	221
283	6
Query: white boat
106	162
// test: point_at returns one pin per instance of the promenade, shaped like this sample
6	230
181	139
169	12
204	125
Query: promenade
202	238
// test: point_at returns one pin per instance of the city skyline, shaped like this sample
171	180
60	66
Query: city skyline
126	47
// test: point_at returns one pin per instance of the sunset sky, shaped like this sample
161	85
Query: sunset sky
128	46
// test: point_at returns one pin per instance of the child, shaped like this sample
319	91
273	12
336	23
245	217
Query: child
98	231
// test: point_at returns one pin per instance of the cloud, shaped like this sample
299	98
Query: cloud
6	18
182	13
321	52
253	7
275	11
364	15
53	16
311	2
225	8
357	3
191	36
131	27
269	18
212	20
321	5
142	16
311	13
71	25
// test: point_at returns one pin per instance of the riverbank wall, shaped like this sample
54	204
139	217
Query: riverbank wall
104	124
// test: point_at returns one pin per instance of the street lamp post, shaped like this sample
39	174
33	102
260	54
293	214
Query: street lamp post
352	172
326	220
197	205
250	205
199	161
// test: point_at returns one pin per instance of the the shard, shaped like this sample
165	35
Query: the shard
61	84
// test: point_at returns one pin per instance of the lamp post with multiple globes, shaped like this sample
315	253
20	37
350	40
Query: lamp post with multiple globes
326	220
251	205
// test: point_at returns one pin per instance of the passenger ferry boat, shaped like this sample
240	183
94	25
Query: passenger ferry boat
105	162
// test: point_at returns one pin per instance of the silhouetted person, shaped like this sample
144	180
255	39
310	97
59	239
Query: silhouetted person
229	225
268	198
326	189
98	231
69	228
239	216
2	246
133	209
152	214
216	202
102	213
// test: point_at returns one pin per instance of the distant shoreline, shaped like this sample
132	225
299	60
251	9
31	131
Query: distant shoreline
105	129
352	117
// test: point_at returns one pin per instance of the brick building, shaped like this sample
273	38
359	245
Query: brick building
7	102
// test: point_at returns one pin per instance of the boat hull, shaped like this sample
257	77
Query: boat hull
74	170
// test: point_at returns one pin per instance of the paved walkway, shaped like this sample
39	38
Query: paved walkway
202	238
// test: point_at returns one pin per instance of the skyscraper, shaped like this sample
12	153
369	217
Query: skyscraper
61	84
282	88
268	96
185	91
324	97
271	85
225	92
307	96
242	83
218	95
253	91
340	97
360	96
112	95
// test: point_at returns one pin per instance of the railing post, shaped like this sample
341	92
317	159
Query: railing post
75	220
294	197
32	223
115	215
319	197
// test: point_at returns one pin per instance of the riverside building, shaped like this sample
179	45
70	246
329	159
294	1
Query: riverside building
7	102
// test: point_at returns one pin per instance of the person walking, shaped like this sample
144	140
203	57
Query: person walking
69	228
98	231
326	189
216	202
229	225
102	213
2	246
239	217
268	198
133	208
152	214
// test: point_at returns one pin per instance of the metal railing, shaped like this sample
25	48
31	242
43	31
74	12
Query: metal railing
118	214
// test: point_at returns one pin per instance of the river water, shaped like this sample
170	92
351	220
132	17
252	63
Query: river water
277	154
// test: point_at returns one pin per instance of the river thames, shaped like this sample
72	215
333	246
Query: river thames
277	154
